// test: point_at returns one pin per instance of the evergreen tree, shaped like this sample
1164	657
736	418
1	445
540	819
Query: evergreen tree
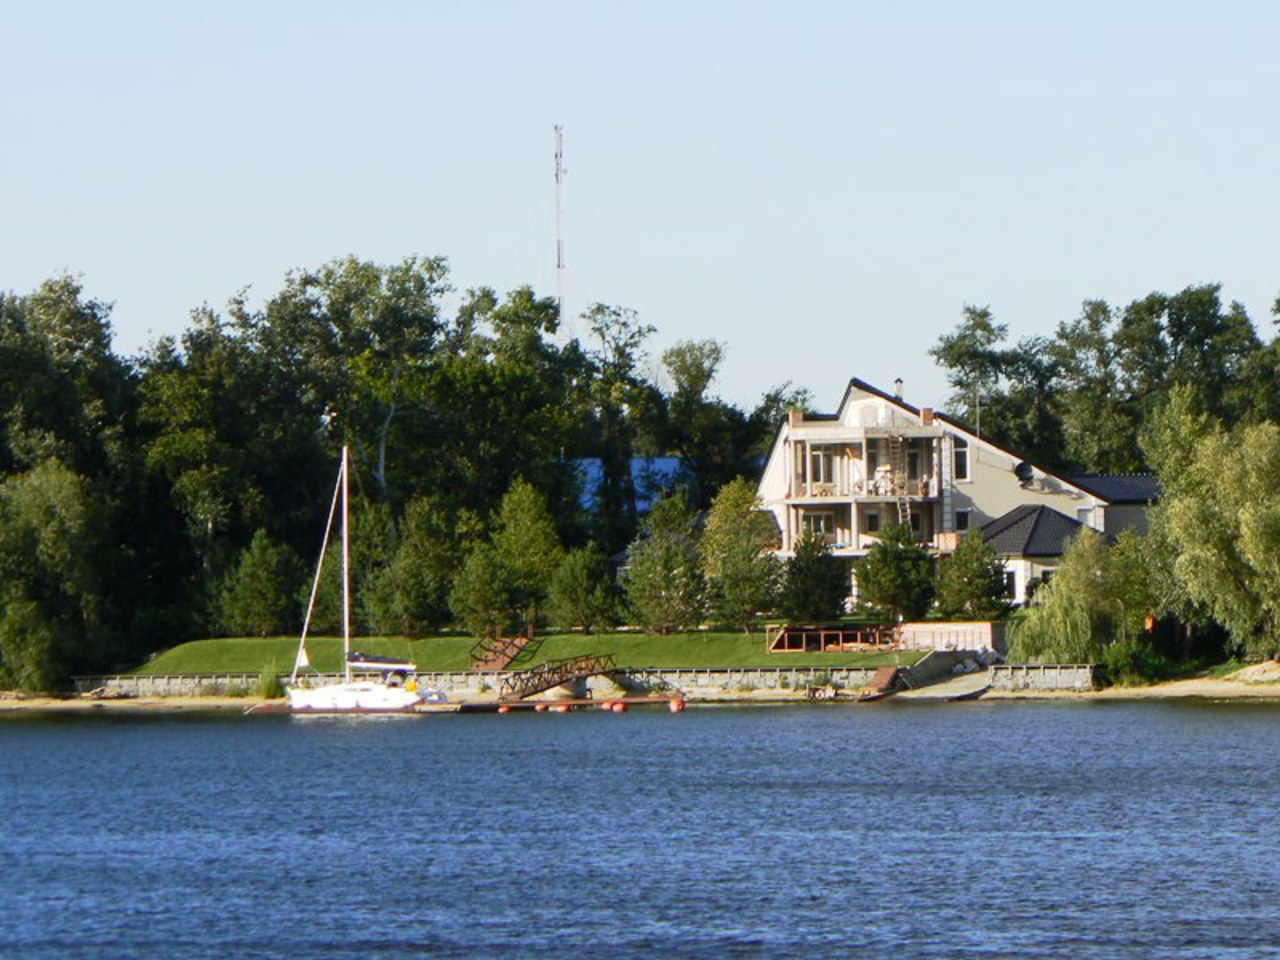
737	558
663	577
581	593
527	547
896	575
815	584
260	596
971	582
481	598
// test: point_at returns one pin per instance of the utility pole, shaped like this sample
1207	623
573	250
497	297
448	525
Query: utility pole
559	148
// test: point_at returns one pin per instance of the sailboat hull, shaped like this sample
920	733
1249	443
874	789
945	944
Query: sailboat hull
357	696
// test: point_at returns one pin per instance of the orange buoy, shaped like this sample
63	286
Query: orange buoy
541	708
607	705
503	708
677	705
619	708
561	708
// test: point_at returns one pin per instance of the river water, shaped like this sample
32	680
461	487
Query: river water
997	829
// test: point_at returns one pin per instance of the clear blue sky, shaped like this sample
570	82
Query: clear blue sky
822	187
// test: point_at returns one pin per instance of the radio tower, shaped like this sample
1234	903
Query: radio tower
559	143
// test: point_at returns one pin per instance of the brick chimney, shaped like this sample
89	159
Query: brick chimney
926	416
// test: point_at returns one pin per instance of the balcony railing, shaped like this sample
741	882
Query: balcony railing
884	484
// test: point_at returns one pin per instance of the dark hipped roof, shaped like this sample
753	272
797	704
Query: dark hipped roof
1120	487
1030	531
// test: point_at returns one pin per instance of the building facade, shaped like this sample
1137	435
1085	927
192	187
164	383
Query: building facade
877	459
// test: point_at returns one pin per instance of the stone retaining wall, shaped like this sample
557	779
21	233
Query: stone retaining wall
1078	677
474	685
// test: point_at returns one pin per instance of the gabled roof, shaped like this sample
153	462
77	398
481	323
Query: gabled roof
1120	487
1116	488
1030	531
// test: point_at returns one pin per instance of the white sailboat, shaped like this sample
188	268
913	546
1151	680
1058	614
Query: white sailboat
387	685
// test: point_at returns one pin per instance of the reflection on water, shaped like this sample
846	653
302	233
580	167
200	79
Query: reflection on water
1001	829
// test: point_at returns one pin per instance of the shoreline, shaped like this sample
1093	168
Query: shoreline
1174	690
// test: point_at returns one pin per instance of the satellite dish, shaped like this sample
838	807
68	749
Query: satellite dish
1024	472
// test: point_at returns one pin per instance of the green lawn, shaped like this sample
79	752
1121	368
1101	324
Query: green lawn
631	650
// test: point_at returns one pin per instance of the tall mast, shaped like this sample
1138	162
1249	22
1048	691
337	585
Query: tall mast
346	569
559	145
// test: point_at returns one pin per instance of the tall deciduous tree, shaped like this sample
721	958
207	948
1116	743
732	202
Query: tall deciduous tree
1220	513
1099	595
51	551
621	398
358	336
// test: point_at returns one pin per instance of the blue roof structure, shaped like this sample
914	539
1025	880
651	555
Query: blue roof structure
652	476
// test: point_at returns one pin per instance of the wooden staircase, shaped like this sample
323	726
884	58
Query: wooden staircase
553	673
493	654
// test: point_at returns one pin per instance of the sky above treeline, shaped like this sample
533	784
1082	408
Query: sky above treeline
820	186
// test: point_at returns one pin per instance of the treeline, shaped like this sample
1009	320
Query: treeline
1180	385
1078	401
147	500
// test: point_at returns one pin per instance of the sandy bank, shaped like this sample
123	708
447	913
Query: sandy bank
1203	689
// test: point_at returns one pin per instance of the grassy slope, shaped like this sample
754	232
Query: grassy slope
632	650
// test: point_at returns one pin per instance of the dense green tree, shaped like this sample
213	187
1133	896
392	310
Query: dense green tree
738	562
663	579
51	604
357	337
581	593
1099	421
896	575
527	547
481	595
1098	595
971	582
260	596
622	400
433	544
1220	514
815	584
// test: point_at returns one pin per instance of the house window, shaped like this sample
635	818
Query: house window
871	522
917	522
873	457
913	464
1010	585
821	465
823	524
962	520
960	459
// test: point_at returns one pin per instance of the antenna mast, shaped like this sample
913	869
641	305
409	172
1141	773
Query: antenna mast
559	145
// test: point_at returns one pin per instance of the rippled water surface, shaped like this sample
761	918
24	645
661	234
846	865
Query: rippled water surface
998	829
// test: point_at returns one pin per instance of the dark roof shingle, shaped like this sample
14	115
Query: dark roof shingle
1120	487
1030	531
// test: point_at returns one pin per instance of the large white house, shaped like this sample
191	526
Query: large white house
878	459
